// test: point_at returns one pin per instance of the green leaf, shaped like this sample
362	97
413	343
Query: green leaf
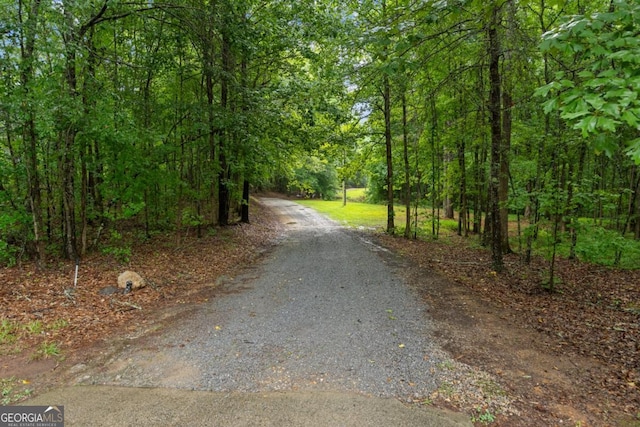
625	55
607	74
604	143
634	150
587	125
567	83
586	74
606	123
630	118
574	115
611	109
543	91
594	100
550	105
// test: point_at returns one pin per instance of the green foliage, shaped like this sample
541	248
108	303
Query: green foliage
595	244
118	248
8	332
599	245
191	219
483	416
11	229
46	350
313	176
7	254
602	98
12	390
169	107
58	324
34	327
121	254
449	224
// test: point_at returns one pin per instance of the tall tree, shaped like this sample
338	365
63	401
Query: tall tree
496	136
29	21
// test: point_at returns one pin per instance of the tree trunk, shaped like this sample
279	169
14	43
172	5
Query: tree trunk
407	169
504	171
388	143
463	226
344	192
496	142
637	216
447	203
435	168
67	167
575	211
244	213
27	45
224	175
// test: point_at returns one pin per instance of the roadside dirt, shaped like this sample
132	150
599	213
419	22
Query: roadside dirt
568	358
564	357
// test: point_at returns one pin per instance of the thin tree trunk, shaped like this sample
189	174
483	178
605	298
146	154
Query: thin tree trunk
68	136
635	187
507	105
27	45
389	154
244	216
575	211
496	142
503	192
463	226
447	204
224	176
435	211
407	169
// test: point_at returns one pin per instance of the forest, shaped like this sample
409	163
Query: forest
158	115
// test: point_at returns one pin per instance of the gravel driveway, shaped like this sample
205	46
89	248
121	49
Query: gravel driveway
326	310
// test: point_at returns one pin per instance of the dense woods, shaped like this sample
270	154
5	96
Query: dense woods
155	115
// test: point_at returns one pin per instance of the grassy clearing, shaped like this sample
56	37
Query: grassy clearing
595	244
357	195
358	214
353	214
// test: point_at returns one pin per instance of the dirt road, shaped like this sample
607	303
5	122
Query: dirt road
322	332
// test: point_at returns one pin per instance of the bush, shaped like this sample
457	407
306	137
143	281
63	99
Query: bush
608	247
7	254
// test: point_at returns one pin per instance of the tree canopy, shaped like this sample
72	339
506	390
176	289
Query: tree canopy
164	115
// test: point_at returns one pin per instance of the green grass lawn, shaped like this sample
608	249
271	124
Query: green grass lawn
356	194
595	245
358	214
354	214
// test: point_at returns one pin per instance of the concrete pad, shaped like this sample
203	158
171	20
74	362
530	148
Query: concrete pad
122	406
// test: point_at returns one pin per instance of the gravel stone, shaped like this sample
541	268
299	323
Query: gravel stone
326	310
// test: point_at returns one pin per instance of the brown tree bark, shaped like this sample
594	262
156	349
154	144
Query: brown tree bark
68	137
27	47
447	202
407	169
224	175
496	141
503	192
72	36
386	94
463	226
